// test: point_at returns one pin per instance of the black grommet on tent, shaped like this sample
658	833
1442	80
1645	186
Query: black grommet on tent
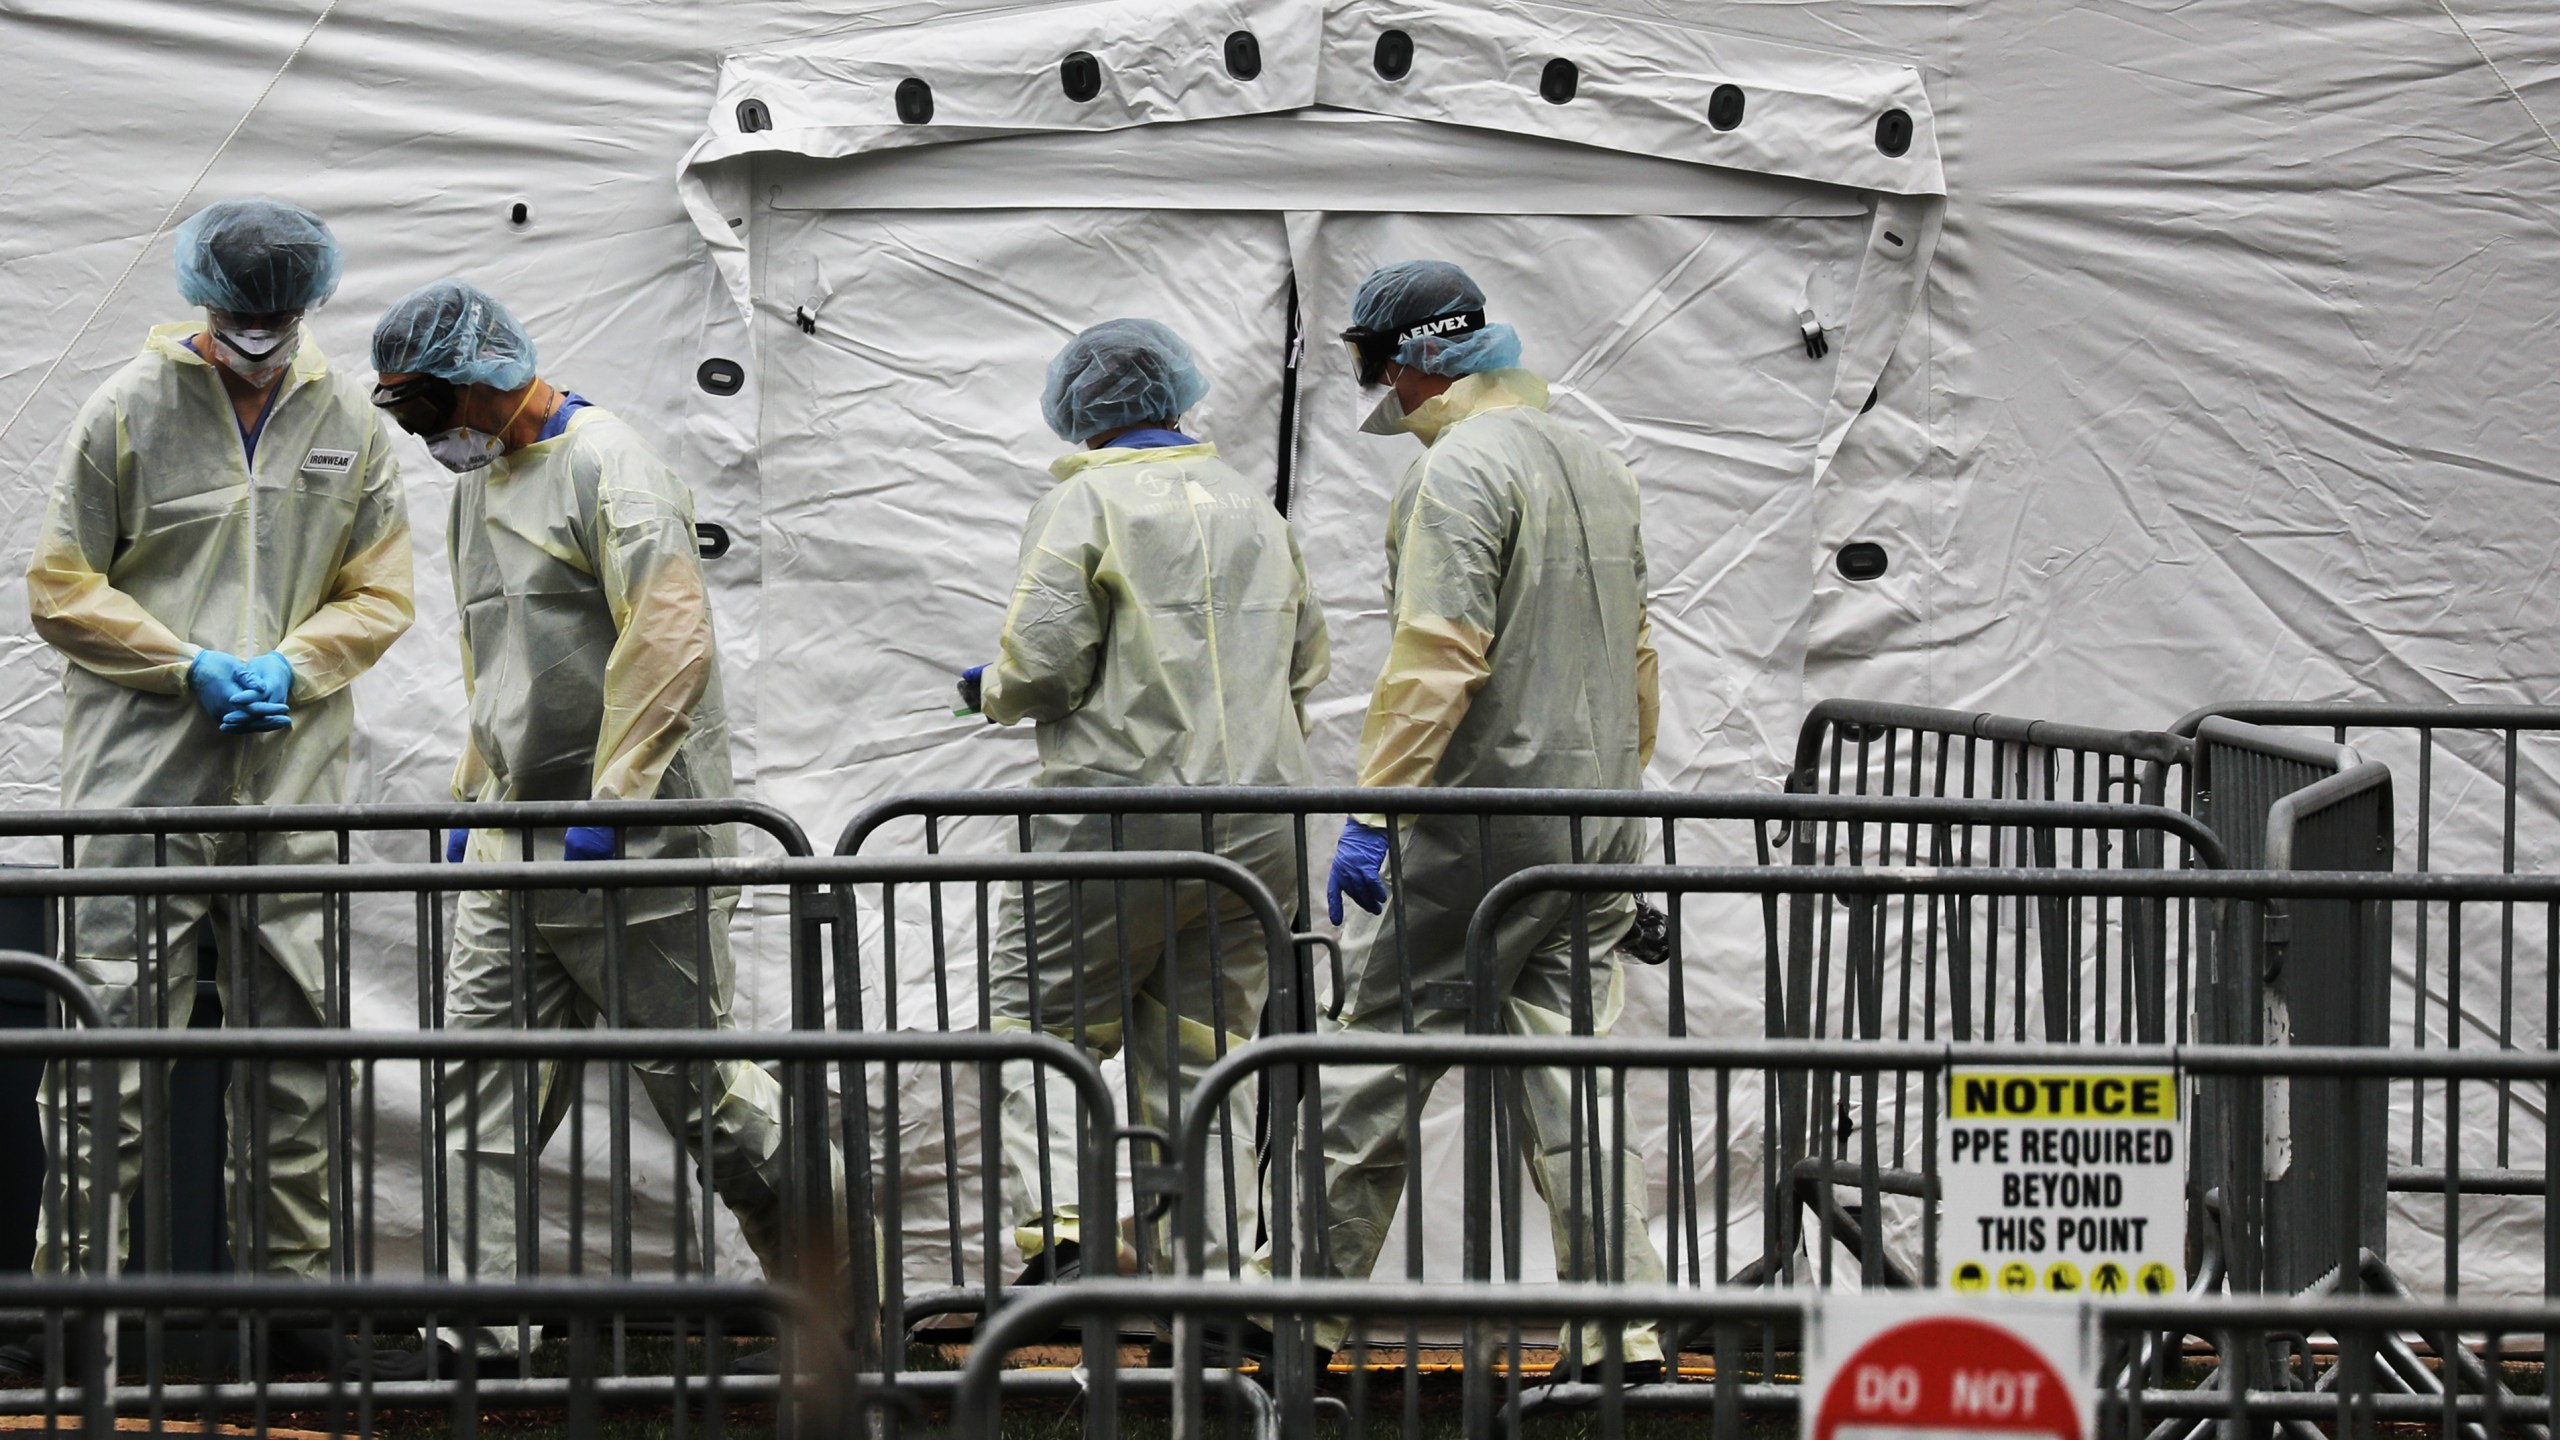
714	539
1080	75
1394	55
915	101
1244	55
1559	80
518	214
1871	400
721	377
753	116
1724	107
1861	560
1893	132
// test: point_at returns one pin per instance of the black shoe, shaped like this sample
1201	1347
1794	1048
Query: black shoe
1060	1264
1227	1343
20	1367
391	1366
767	1361
308	1352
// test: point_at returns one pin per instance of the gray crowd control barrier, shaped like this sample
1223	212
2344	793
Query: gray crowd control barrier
2268	1372
178	1344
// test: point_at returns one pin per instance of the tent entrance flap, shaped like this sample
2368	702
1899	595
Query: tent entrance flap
1315	159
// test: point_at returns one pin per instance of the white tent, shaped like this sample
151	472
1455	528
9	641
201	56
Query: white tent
2177	351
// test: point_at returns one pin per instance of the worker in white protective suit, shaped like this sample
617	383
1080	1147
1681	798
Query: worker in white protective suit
589	663
1160	632
225	551
1520	656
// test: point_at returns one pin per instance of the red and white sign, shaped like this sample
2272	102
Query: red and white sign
1884	1367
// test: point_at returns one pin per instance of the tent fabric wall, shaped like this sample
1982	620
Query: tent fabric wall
2230	374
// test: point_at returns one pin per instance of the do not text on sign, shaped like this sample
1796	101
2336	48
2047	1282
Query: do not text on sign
1890	1365
2063	1182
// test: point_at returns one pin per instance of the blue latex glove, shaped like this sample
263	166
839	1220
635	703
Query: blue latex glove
973	690
264	698
589	842
455	842
1359	859
213	679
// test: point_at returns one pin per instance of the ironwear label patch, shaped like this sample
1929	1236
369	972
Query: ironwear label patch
330	462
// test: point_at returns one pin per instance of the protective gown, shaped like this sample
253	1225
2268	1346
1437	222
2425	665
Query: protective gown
1161	632
1521	657
164	536
588	656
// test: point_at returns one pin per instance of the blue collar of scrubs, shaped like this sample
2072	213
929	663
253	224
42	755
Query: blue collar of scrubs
1150	439
571	402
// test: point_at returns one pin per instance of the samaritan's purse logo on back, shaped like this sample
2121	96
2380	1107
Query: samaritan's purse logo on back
330	462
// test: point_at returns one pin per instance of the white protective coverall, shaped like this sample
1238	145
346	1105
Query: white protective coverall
1161	632
1521	657
588	655
165	536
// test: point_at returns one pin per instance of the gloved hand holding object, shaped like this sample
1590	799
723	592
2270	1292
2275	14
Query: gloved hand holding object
455	842
1358	860
264	698
589	842
972	690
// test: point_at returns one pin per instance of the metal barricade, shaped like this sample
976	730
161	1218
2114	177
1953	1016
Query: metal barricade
175	1344
2270	1371
683	1219
2478	790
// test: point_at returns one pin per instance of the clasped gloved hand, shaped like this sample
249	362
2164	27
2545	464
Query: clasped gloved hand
589	842
973	689
1359	860
264	698
455	842
213	679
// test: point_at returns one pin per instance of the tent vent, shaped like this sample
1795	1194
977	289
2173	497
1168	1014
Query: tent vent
1559	80
1861	560
518	214
1080	75
1244	55
915	101
1724	108
1394	57
752	117
721	377
714	539
1893	132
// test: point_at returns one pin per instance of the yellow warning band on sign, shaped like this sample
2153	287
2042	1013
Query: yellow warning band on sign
2061	1095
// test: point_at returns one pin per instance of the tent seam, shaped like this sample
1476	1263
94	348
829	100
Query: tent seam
169	215
2510	86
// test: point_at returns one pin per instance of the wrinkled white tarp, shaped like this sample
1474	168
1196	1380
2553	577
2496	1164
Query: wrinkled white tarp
2230	372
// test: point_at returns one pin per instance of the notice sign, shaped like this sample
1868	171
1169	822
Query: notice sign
2063	1182
1885	1366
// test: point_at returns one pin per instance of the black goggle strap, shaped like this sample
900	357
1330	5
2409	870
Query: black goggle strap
1372	349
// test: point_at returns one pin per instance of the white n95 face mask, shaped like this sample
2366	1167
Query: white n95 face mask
463	449
256	356
1388	418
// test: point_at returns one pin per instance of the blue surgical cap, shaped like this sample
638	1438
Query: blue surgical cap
1119	375
255	256
455	331
1409	292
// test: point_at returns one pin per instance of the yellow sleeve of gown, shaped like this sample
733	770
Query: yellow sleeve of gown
371	599
651	570
1054	624
75	610
1446	577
